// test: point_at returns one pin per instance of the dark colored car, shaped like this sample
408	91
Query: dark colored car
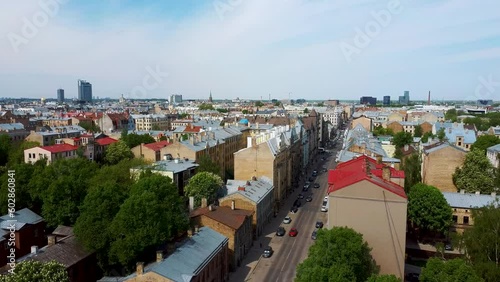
314	174
311	179
413	277
268	252
281	231
319	224
294	209
316	185
309	198
448	247
297	203
293	232
301	196
314	234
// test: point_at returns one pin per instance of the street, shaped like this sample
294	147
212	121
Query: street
289	251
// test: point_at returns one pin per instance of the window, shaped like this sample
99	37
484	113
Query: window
36	233
455	218
466	220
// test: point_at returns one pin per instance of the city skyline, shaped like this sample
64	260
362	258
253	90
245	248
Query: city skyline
250	49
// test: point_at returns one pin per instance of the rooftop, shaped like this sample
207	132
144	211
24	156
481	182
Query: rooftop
174	166
157	146
59	148
105	141
225	215
256	191
469	200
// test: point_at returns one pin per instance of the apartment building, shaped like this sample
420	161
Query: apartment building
151	122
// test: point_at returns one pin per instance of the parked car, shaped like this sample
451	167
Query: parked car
293	232
448	247
281	231
413	277
297	203
314	234
316	185
319	224
268	252
287	220
309	198
301	196
294	209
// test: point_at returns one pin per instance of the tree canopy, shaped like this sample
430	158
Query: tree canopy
16	155
482	242
35	271
455	270
476	174
206	164
441	135
134	139
412	166
379	130
426	136
117	152
418	131
205	106
483	142
383	278
203	185
428	209
5	146
401	139
338	254
89	126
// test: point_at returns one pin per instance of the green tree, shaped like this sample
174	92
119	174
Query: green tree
135	139
155	127
66	186
401	139
476	174
153	214
482	242
338	254
245	112
412	166
206	164
418	131
259	104
23	174
480	123
428	209
203	185
89	126
451	115
117	152
16	155
35	271
383	278
441	135
426	136
5	146
455	270
205	106
306	111
484	142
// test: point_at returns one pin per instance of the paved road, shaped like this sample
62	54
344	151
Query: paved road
288	251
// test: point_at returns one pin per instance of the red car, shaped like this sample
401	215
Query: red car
293	232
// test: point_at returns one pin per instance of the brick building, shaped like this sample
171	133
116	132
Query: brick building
439	162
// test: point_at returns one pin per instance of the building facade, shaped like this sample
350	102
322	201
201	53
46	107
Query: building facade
84	91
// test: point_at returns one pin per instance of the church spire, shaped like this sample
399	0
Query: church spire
210	98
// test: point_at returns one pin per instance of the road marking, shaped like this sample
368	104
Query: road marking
289	252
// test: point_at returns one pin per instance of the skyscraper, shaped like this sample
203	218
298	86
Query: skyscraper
84	91
387	100
60	95
405	99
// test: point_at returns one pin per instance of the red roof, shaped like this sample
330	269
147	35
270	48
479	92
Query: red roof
355	170
157	146
105	141
192	129
58	148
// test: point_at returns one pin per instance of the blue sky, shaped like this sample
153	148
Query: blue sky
251	48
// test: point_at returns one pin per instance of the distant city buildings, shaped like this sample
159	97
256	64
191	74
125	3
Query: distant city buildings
60	95
84	91
484	102
405	99
175	99
387	101
366	100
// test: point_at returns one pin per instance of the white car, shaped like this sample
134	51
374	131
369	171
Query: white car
287	220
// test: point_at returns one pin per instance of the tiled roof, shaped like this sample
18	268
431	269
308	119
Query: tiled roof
354	171
192	129
157	146
58	148
469	200
225	215
105	141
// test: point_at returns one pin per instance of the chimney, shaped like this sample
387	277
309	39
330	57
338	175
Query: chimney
257	125
139	268
210	207
191	203
379	159
494	194
159	256
248	183
241	188
478	193
34	250
367	166
254	178
233	205
386	173
462	191
204	202
190	232
196	229
52	240
406	147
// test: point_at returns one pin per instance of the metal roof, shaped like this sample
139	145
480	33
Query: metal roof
23	216
469	200
255	192
495	149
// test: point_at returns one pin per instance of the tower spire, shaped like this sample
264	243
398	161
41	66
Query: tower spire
210	98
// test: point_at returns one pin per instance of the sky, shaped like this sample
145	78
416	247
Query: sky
252	49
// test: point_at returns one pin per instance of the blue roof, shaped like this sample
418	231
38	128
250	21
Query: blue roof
469	200
495	148
21	218
243	121
190	258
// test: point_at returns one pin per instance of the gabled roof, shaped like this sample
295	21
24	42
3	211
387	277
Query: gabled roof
157	146
105	141
225	215
355	170
21	218
255	192
59	148
494	149
193	129
469	200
